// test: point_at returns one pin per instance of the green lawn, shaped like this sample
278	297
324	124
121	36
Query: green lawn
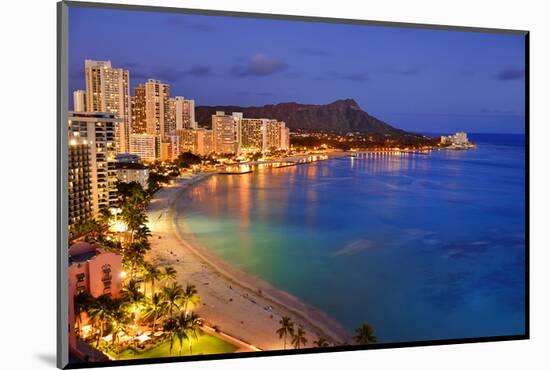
207	344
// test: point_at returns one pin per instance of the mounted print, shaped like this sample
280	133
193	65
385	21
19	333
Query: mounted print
237	184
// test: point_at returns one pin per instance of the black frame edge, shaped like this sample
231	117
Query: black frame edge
64	5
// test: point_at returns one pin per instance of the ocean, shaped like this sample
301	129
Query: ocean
421	247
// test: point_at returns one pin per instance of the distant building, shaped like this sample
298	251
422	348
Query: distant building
458	139
203	141
108	90
197	141
80	181
79	101
151	109
132	172
274	130
225	131
285	138
99	130
186	140
253	135
169	148
146	146
184	113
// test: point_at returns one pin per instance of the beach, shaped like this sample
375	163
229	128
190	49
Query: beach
238	304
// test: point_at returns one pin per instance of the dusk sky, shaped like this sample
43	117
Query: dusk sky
418	80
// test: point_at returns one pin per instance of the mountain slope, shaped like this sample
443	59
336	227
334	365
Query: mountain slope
341	115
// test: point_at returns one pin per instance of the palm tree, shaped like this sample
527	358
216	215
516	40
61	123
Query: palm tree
170	326
82	303
133	297
190	295
181	334
169	273
173	295
156	308
151	274
321	342
365	334
119	320
299	339
286	329
192	328
134	254
100	313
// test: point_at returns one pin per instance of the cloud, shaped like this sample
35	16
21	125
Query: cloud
259	65
293	75
188	25
144	72
199	71
510	74
406	71
313	52
353	77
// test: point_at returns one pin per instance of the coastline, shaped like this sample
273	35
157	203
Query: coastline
240	305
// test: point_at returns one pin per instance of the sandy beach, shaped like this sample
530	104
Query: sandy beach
240	305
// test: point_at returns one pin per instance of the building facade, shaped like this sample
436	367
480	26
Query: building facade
99	130
184	113
133	172
79	101
108	90
225	132
253	135
146	146
80	182
151	109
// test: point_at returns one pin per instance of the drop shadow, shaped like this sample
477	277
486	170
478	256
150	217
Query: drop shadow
47	358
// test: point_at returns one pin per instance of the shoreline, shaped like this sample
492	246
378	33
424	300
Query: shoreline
241	305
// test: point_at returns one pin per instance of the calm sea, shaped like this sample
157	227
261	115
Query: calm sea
421	246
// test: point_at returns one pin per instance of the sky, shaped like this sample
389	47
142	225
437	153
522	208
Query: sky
415	79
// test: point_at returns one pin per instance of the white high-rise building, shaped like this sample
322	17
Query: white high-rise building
98	129
184	113
108	90
79	101
226	132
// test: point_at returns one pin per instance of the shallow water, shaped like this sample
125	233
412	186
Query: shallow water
421	246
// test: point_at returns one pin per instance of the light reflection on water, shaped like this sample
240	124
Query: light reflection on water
421	246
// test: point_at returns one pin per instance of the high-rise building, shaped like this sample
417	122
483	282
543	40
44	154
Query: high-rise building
184	113
274	130
80	181
151	109
170	148
186	140
253	135
99	131
79	101
139	121
203	141
146	146
197	141
285	138
108	90
225	131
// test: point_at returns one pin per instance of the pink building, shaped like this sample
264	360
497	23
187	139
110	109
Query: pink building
92	270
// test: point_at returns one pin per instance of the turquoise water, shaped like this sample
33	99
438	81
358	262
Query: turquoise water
422	247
